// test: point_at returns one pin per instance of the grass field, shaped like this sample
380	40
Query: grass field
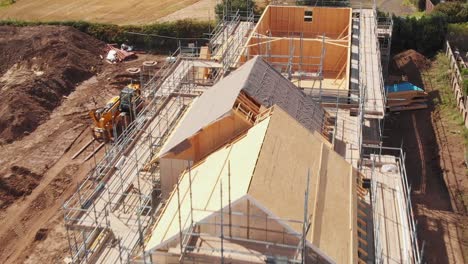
104	11
447	105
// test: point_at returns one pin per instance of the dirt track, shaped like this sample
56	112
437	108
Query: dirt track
42	174
435	160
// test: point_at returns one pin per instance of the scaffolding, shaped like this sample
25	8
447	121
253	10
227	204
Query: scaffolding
106	218
384	31
336	3
227	228
229	36
386	225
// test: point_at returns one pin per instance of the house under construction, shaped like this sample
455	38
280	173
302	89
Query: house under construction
263	147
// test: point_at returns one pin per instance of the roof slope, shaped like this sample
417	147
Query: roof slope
266	85
212	105
271	166
206	178
282	167
260	81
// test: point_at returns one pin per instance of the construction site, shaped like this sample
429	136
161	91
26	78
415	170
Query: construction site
263	146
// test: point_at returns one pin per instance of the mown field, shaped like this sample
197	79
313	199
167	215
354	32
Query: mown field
104	11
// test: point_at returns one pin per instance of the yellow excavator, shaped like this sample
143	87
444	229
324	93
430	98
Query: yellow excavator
112	119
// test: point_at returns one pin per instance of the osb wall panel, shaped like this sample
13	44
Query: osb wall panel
335	55
280	180
170	170
283	20
249	222
211	138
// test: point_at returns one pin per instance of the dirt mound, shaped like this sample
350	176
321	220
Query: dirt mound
410	63
411	56
39	66
19	182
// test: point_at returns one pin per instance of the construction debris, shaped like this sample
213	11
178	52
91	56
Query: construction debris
115	55
405	96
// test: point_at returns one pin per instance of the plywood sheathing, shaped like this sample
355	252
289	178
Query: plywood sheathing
241	237
289	21
271	167
195	148
280	28
240	156
335	56
279	183
261	82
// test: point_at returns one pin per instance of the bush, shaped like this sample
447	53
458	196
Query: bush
456	12
233	5
464	73
458	35
159	37
426	34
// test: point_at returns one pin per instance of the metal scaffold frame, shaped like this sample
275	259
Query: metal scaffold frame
372	156
107	216
384	31
122	190
286	68
114	193
229	37
331	3
190	231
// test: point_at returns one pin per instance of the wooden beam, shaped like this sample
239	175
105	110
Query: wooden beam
273	39
339	36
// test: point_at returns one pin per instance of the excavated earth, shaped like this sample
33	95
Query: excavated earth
39	66
50	78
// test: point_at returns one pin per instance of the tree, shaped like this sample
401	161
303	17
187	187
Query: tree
456	12
425	34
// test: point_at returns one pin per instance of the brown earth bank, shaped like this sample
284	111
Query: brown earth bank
37	170
434	163
39	66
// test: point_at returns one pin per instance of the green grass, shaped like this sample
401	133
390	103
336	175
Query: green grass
5	3
418	14
407	3
439	75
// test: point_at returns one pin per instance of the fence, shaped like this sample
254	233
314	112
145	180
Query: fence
456	82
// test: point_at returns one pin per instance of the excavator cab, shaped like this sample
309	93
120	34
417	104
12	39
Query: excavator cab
129	100
103	119
110	120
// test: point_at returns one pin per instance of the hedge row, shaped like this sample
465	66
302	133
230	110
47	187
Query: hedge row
182	31
427	33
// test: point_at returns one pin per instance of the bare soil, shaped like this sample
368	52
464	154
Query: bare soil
37	170
40	65
435	167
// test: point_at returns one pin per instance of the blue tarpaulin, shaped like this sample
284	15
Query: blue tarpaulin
402	87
